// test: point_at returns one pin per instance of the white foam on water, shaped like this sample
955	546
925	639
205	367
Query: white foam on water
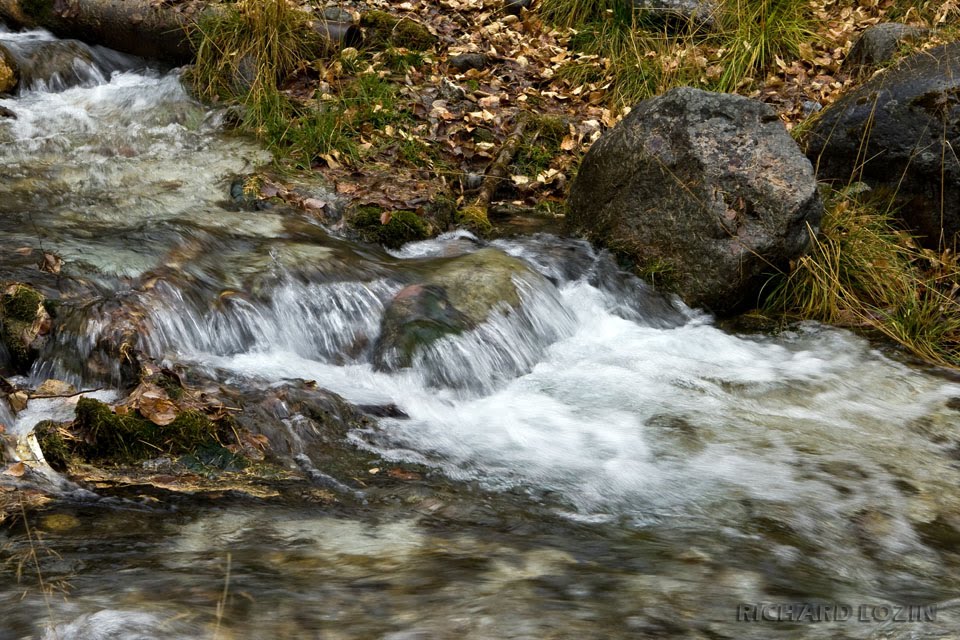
621	418
118	624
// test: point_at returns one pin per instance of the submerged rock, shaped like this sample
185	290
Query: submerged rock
708	190
457	297
900	132
58	64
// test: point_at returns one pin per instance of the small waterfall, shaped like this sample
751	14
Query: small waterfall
49	65
329	322
509	344
663	455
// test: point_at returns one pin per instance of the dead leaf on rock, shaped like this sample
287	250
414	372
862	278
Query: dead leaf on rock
51	263
402	474
156	407
52	388
16	470
18	401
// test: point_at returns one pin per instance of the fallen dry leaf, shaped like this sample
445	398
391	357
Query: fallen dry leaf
156	407
16	470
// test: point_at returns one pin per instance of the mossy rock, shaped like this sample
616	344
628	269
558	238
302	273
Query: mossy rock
403	227
482	281
385	30
53	442
25	323
106	436
457	297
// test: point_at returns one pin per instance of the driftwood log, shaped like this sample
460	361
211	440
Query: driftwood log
144	28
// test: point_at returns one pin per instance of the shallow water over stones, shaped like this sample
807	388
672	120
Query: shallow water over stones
591	460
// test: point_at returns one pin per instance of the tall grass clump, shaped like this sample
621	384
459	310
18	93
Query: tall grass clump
753	33
863	271
245	49
640	56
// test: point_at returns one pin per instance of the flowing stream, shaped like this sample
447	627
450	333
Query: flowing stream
599	462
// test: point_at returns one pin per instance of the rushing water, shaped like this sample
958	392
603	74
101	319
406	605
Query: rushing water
599	462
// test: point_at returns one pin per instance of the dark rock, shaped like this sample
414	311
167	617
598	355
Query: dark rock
466	61
516	7
110	330
708	189
900	131
681	13
877	45
457	297
7	113
383	410
305	425
418	315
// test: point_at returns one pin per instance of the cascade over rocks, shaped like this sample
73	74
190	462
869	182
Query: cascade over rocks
901	131
708	190
455	298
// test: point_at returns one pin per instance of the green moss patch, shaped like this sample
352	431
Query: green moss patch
99	435
20	309
385	30
403	227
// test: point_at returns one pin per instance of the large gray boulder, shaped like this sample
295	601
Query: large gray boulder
901	131
707	189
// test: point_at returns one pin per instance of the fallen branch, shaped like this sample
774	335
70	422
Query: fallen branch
496	173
